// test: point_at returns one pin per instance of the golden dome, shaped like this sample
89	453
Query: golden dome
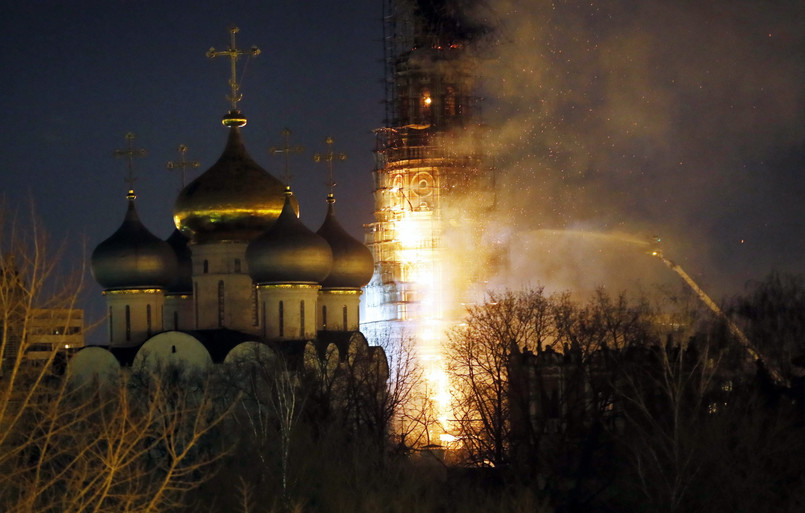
235	199
133	257
289	252
353	264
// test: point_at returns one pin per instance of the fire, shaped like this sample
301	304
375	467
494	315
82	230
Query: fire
417	250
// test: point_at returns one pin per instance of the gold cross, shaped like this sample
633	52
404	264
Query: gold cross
286	150
329	158
234	53
130	153
182	163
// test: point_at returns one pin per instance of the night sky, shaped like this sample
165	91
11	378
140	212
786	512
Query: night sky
637	117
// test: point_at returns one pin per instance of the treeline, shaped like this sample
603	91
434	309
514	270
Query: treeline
620	405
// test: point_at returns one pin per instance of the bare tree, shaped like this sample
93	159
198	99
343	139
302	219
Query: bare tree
665	391
478	354
391	396
92	447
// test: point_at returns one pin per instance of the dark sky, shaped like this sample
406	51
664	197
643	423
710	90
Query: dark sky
681	118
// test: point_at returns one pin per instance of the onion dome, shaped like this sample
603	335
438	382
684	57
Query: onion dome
289	252
235	199
353	264
182	282
133	257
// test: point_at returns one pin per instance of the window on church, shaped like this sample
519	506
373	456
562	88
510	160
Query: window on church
221	304
324	316
206	266
265	324
128	322
195	302
282	320
345	317
148	320
302	318
425	104
255	315
111	326
450	102
176	320
237	265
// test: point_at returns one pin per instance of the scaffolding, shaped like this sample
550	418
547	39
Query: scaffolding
421	154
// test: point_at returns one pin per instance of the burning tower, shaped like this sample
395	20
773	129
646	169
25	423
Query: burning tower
426	164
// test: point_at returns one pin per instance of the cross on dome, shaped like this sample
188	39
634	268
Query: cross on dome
286	151
329	158
130	153
182	164
234	53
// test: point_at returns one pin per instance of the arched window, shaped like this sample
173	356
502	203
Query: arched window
425	101
450	102
345	317
255	315
195	303
265	323
282	320
237	265
176	320
148	320
128	322
302	319
206	266
221	303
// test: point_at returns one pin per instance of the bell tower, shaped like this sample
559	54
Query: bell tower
425	157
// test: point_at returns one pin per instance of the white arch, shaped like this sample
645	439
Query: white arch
172	348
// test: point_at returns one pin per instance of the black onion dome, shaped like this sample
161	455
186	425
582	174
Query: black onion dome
353	264
288	252
133	257
182	282
235	199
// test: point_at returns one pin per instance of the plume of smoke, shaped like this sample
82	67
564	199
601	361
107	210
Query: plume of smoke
644	117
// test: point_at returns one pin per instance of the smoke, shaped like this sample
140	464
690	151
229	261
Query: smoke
679	118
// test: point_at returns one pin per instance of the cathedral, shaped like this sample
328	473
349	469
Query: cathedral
240	272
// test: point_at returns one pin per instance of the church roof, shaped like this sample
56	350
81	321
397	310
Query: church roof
235	199
133	257
352	261
289	252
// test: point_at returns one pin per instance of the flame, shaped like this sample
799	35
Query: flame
417	250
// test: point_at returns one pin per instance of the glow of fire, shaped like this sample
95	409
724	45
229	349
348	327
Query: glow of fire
416	251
